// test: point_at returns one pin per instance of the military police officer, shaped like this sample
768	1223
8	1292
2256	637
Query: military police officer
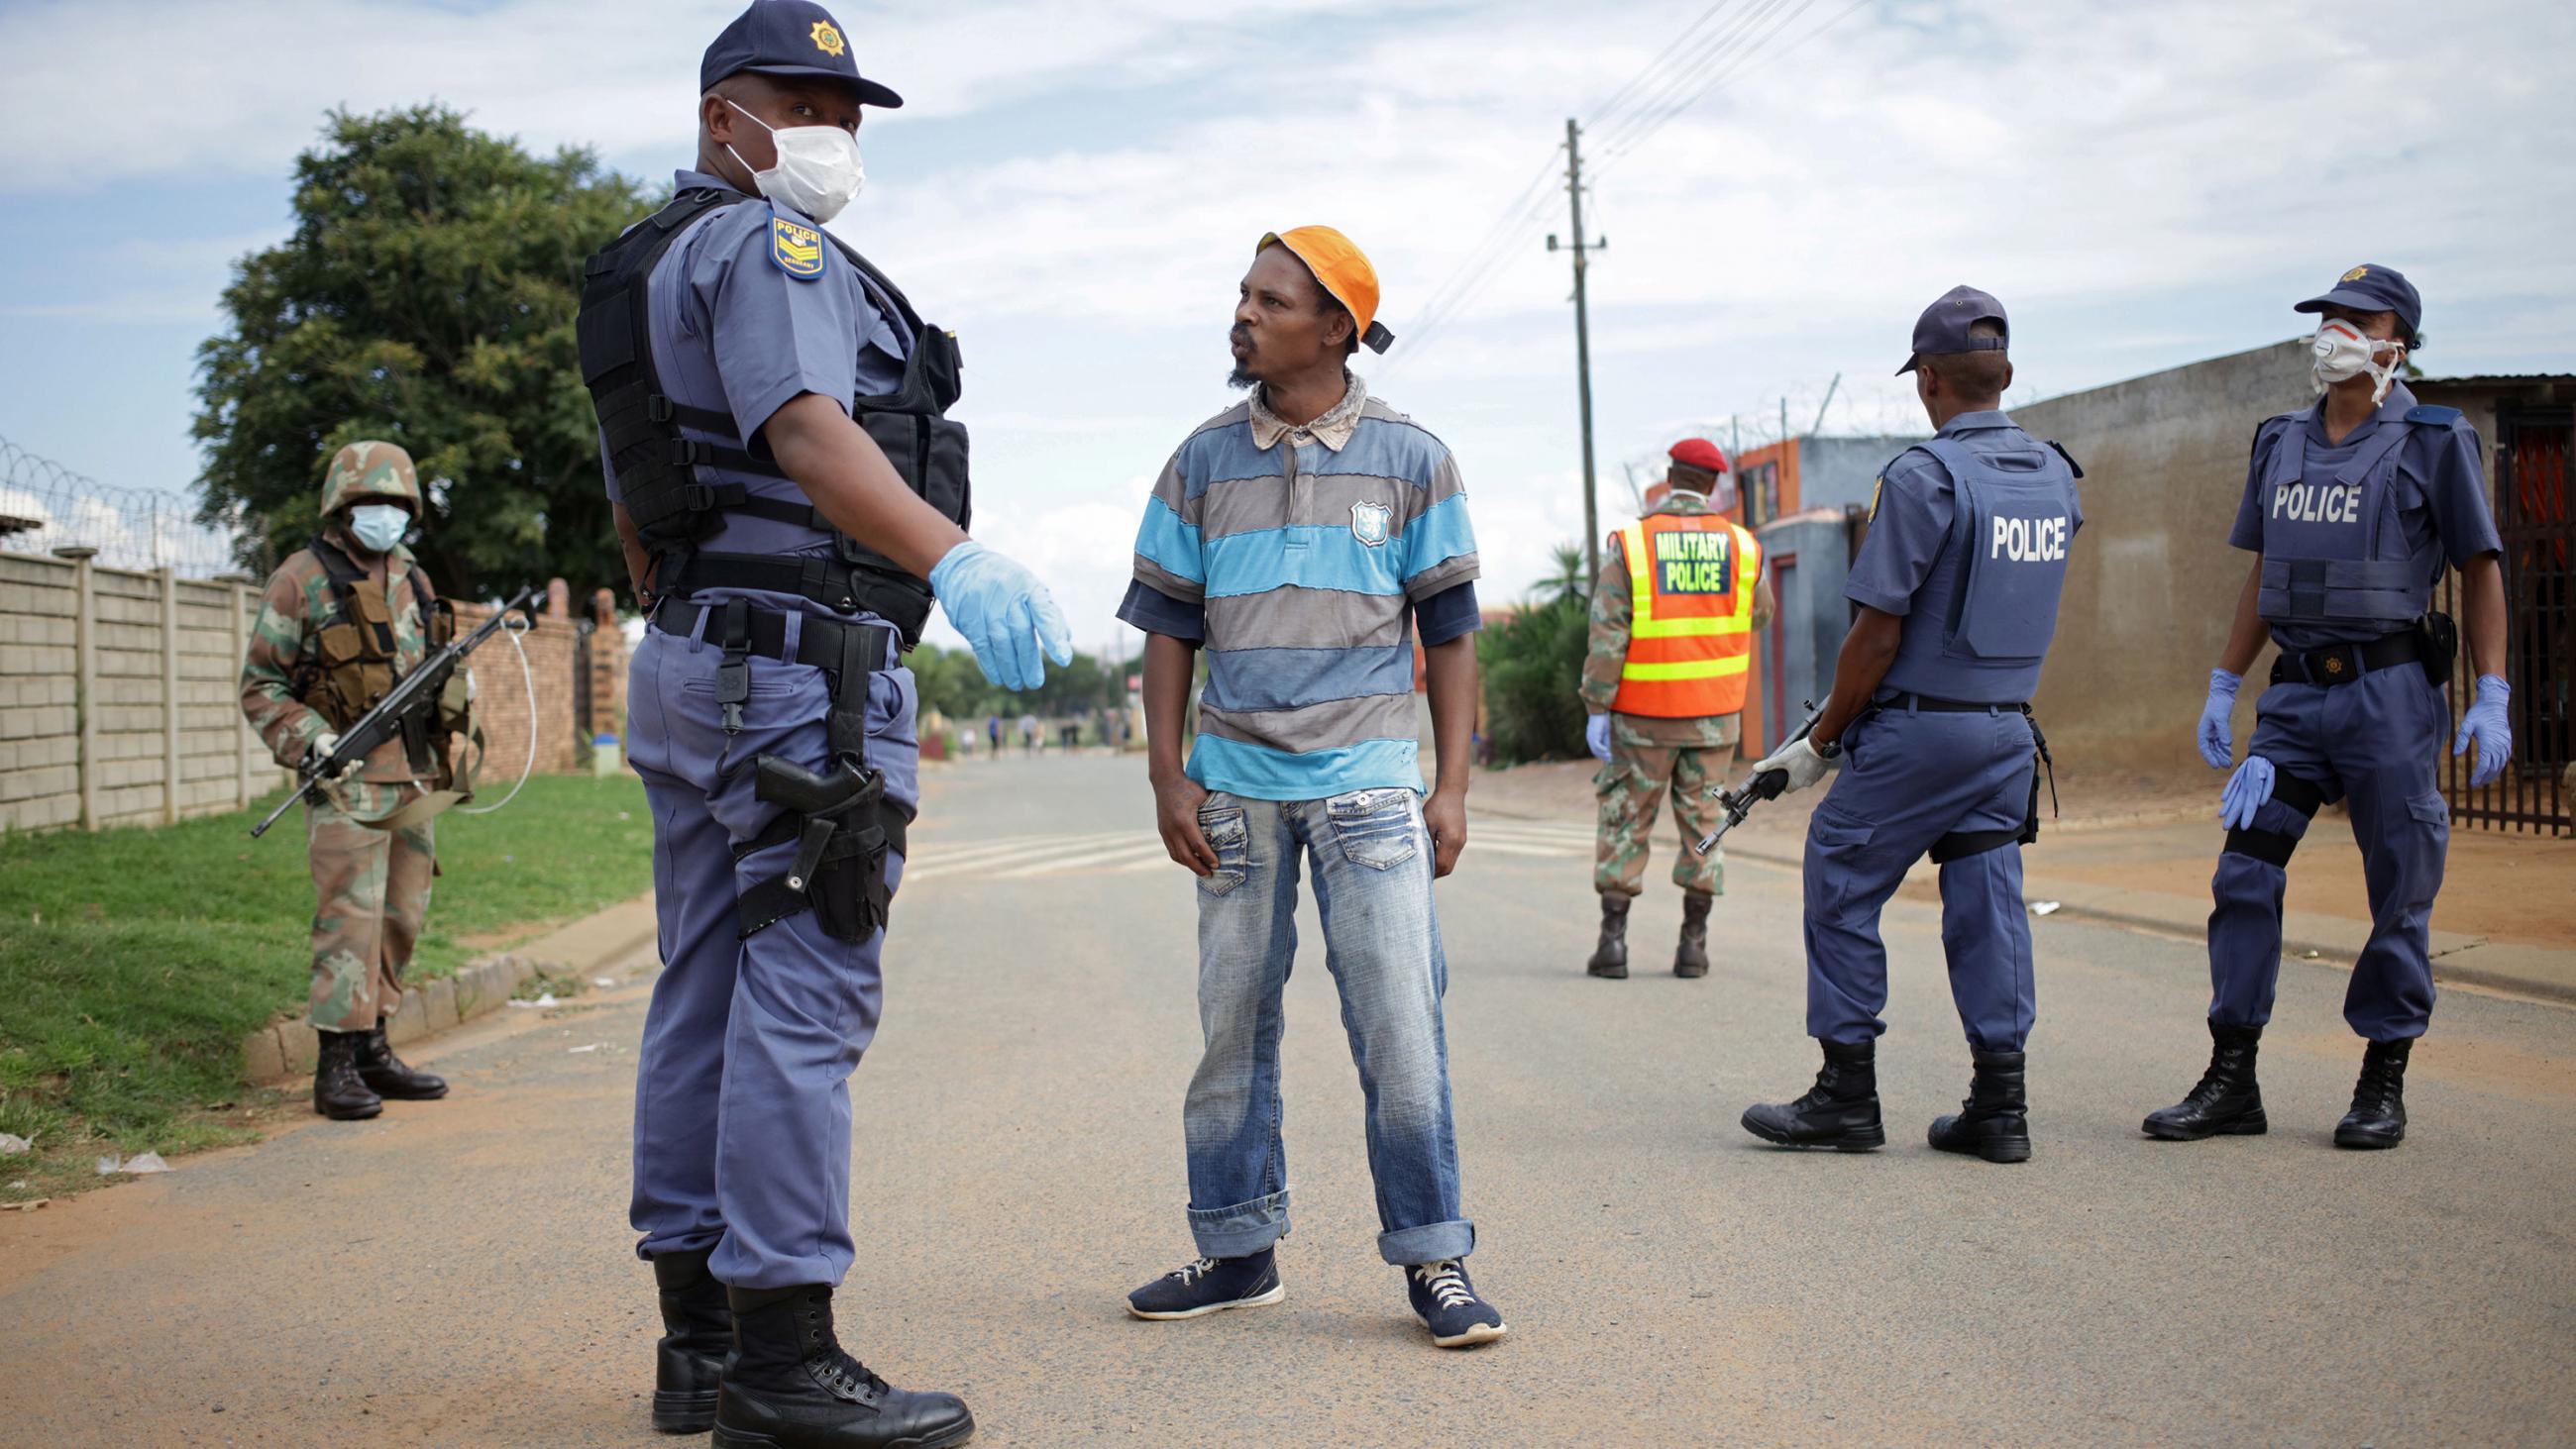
2353	508
341	621
1664	677
774	416
1957	585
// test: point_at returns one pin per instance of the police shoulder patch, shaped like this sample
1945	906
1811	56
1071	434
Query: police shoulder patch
796	248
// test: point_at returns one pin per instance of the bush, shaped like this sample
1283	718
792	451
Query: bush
1531	664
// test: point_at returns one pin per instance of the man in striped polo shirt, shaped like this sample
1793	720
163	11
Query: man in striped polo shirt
1300	537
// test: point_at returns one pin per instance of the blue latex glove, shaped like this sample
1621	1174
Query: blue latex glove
2486	724
2246	791
1596	735
2217	732
1005	613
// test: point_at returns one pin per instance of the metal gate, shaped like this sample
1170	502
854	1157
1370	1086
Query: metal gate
2533	492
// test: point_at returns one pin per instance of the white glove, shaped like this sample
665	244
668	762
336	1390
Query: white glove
320	750
1801	762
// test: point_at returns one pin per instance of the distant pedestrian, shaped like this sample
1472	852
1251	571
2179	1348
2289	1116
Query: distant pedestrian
1028	734
1664	675
341	620
1307	756
993	732
2355	508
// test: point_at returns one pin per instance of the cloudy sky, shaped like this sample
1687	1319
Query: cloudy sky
1076	185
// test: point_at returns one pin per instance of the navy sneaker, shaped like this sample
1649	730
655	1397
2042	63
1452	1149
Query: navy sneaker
1447	1305
1211	1285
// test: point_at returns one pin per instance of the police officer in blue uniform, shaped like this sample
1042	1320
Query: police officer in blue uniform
793	499
1929	725
2353	508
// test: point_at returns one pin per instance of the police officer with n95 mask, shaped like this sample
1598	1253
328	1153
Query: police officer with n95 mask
793	498
1929	723
2353	507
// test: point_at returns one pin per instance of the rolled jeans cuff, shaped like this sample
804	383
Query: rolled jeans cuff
1241	1230
1429	1243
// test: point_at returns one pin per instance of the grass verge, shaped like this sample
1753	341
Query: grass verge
134	961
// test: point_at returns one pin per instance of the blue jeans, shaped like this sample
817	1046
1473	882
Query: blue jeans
1372	861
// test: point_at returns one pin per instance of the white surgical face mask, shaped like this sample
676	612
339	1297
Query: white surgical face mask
2339	352
378	526
818	171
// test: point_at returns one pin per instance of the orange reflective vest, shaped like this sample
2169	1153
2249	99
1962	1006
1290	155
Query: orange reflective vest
1691	579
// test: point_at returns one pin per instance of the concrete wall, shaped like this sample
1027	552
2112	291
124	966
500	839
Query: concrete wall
117	697
120	695
2153	583
1834	472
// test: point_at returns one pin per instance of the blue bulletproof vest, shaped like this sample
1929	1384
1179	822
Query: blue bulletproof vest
2333	549
1981	623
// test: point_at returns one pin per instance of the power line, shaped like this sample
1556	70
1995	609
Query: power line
1684	71
1714	83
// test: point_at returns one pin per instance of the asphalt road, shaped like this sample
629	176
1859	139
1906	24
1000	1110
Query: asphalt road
461	1272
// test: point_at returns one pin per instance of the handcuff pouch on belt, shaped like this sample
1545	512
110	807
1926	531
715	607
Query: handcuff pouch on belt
839	818
2441	641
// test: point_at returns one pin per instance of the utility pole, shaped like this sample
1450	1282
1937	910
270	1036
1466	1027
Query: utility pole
1582	341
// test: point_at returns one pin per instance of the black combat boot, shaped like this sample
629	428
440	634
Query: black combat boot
1690	959
790	1385
2227	1099
338	1092
1610	958
2378	1115
697	1338
1994	1123
385	1074
1840	1111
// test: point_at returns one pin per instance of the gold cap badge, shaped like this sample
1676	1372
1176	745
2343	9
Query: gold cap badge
827	39
2355	275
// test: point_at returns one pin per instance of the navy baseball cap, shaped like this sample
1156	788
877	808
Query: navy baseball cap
788	37
1943	327
2374	288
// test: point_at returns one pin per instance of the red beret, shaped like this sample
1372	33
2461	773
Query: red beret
1699	453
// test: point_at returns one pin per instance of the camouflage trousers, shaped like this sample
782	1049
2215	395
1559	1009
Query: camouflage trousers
1631	789
371	892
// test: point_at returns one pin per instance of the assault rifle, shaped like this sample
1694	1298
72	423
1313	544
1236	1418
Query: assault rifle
1764	785
413	693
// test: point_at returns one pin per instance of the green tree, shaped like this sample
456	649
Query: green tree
426	297
1531	663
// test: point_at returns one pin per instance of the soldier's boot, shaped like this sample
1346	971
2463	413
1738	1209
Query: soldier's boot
2227	1099
2378	1115
387	1076
1840	1111
791	1386
1690	959
1994	1122
1610	958
697	1337
338	1092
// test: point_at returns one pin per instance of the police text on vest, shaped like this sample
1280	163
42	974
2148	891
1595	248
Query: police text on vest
2318	503
2029	540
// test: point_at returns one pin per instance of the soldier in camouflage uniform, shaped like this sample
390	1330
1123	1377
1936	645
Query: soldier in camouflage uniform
1644	755
340	622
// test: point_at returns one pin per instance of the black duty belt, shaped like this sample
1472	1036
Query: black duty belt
2344	663
1928	705
819	643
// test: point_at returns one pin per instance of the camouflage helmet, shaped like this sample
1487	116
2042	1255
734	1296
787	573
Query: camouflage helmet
360	471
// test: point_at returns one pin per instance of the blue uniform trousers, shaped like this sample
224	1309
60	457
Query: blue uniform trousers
742	1108
2375	743
1908	779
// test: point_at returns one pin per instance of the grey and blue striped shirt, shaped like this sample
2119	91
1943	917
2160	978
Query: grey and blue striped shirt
1304	553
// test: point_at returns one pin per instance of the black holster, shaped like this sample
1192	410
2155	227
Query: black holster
2441	640
839	818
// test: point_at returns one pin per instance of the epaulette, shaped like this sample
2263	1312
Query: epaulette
2432	415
